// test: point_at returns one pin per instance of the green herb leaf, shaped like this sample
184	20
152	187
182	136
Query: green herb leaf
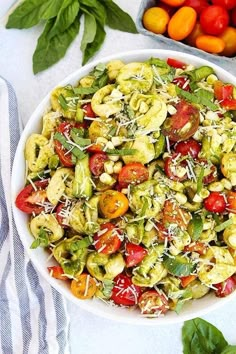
42	239
74	149
197	98
199	336
230	349
52	9
51	50
66	16
178	265
158	62
92	48
195	227
117	18
62	101
121	152
90	28
200	180
95	8
79	244
223	225
78	140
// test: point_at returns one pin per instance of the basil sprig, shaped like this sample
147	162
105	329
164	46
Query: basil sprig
62	24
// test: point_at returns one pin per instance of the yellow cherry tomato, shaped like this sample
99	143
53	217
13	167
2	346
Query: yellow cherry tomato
113	204
210	44
229	37
155	19
83	287
196	32
182	23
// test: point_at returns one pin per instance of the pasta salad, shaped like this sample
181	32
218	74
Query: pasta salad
131	185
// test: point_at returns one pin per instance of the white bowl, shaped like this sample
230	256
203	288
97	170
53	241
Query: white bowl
39	256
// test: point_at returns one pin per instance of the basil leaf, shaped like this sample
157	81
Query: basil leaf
92	48
27	14
90	28
74	149
42	239
195	227
121	152
53	6
95	8
230	349
66	16
78	140
51	50
117	18
158	62
63	102
199	336
198	98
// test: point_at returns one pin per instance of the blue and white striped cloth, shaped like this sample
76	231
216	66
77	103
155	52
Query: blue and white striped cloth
33	315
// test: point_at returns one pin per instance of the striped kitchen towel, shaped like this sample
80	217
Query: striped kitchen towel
33	315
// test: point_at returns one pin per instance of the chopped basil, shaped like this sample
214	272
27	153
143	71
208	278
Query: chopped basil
42	239
62	101
78	140
197	98
121	152
73	149
195	227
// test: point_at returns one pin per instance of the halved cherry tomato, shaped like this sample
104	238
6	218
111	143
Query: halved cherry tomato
197	246
210	171
182	82
176	63
183	124
227	4
124	291
214	20
222	91
87	108
153	302
83	287
61	215
185	281
173	214
174	167
134	254
226	287
197	5
95	148
215	202
132	173
231	202
57	272
108	239
188	147
96	163
28	198
229	104
113	204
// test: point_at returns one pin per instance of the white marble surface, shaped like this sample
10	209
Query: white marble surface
91	334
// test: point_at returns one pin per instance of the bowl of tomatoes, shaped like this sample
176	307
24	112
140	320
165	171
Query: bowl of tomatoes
124	187
200	27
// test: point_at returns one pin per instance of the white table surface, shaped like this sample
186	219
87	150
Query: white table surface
91	334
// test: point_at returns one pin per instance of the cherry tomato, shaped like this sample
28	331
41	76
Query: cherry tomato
233	17
96	163
134	254
169	9
197	246
210	44
183	124
62	215
153	302
229	104
124	291
215	202
185	281
188	147
173	214
226	287
132	173
214	20
196	32
87	108
28	199
57	272
227	4
113	204
163	232
108	239
176	63
197	5
229	37
173	3
155	19
182	23
64	156
231	202
174	167
222	91
83	287
182	82
210	171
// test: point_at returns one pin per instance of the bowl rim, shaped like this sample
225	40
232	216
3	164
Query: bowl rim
35	117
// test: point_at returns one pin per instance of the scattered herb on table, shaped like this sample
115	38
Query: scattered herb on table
201	337
62	25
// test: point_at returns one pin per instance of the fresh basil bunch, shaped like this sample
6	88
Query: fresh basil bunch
62	24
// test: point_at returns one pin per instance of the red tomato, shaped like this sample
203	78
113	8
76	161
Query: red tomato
174	166
188	147
124	291
215	202
108	239
227	4
214	20
197	246
182	82
197	5
28	198
222	91
163	232
94	148
233	17
57	272
229	104
183	124
185	281
64	156
134	254
176	63
132	173
87	108
61	215
226	287
231	202
96	163
173	214
211	169
153	302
